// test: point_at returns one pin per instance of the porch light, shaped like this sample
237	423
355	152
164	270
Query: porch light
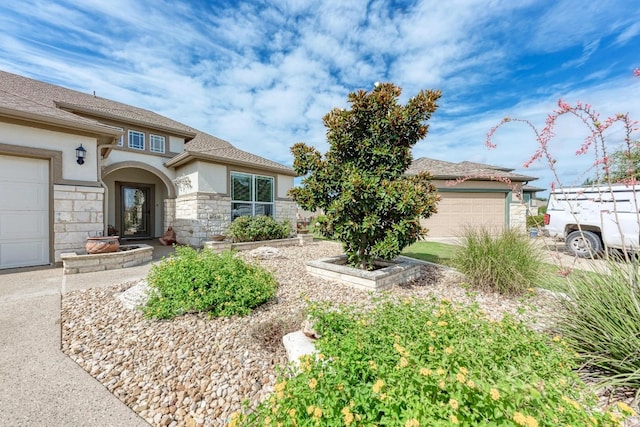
81	153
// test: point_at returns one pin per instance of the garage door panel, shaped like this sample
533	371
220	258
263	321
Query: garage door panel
24	212
23	253
459	210
27	225
21	197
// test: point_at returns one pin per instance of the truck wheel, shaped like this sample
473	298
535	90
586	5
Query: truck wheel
584	244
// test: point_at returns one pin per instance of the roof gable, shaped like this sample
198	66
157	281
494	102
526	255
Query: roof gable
441	169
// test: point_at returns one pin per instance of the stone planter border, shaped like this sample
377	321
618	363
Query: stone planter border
128	256
401	270
300	240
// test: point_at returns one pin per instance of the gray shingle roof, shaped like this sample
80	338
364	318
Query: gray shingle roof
476	171
27	97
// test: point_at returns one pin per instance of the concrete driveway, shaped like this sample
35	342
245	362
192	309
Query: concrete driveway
39	385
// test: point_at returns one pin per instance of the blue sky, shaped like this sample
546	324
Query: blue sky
262	74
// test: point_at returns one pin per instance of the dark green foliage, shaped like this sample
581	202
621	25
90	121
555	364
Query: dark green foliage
256	228
359	184
220	284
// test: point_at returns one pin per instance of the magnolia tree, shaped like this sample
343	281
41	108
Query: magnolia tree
359	184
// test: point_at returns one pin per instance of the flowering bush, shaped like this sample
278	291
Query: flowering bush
431	363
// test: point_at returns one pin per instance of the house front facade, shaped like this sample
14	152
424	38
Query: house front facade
474	195
74	165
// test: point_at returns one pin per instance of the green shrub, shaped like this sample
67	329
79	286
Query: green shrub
535	221
256	228
220	284
508	263
423	363
601	321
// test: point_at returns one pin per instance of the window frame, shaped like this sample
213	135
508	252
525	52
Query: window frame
142	138
153	136
253	204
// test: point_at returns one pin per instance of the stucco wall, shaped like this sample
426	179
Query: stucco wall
66	143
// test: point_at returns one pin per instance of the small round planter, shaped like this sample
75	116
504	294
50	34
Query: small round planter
102	244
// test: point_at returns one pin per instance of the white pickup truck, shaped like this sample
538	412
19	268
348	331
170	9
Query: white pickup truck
591	219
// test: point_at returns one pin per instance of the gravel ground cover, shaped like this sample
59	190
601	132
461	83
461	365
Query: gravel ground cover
196	371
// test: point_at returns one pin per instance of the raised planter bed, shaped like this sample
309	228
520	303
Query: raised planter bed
300	240
390	273
127	256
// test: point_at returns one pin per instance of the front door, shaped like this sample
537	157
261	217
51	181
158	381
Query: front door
135	211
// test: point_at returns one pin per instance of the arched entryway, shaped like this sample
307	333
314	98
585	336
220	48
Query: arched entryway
136	200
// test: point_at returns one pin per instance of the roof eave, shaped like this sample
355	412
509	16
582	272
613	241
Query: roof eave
80	109
189	156
99	129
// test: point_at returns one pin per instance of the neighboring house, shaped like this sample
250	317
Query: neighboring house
529	197
482	198
73	163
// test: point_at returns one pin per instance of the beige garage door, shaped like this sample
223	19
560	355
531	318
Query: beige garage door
24	212
457	210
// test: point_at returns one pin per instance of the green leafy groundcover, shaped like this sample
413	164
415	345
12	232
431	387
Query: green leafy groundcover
430	363
221	284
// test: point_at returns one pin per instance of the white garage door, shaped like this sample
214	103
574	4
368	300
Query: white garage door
459	210
24	212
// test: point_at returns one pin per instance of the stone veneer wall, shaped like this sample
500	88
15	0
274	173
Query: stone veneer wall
198	216
286	210
78	214
518	216
169	213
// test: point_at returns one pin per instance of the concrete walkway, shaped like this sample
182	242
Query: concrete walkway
39	385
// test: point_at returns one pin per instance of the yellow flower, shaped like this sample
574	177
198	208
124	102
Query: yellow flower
471	384
378	386
441	384
280	386
291	412
531	422
440	371
429	323
448	350
432	334
460	378
425	371
401	350
571	402
454	403
340	387
463	370
442	323
556	338
317	412
431	349
412	423
235	418
280	395
453	419
320	356
495	394
310	409
520	419
313	383
403	362
373	365
348	416
626	408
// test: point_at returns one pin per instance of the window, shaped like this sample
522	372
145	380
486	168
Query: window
251	195
136	140
156	143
